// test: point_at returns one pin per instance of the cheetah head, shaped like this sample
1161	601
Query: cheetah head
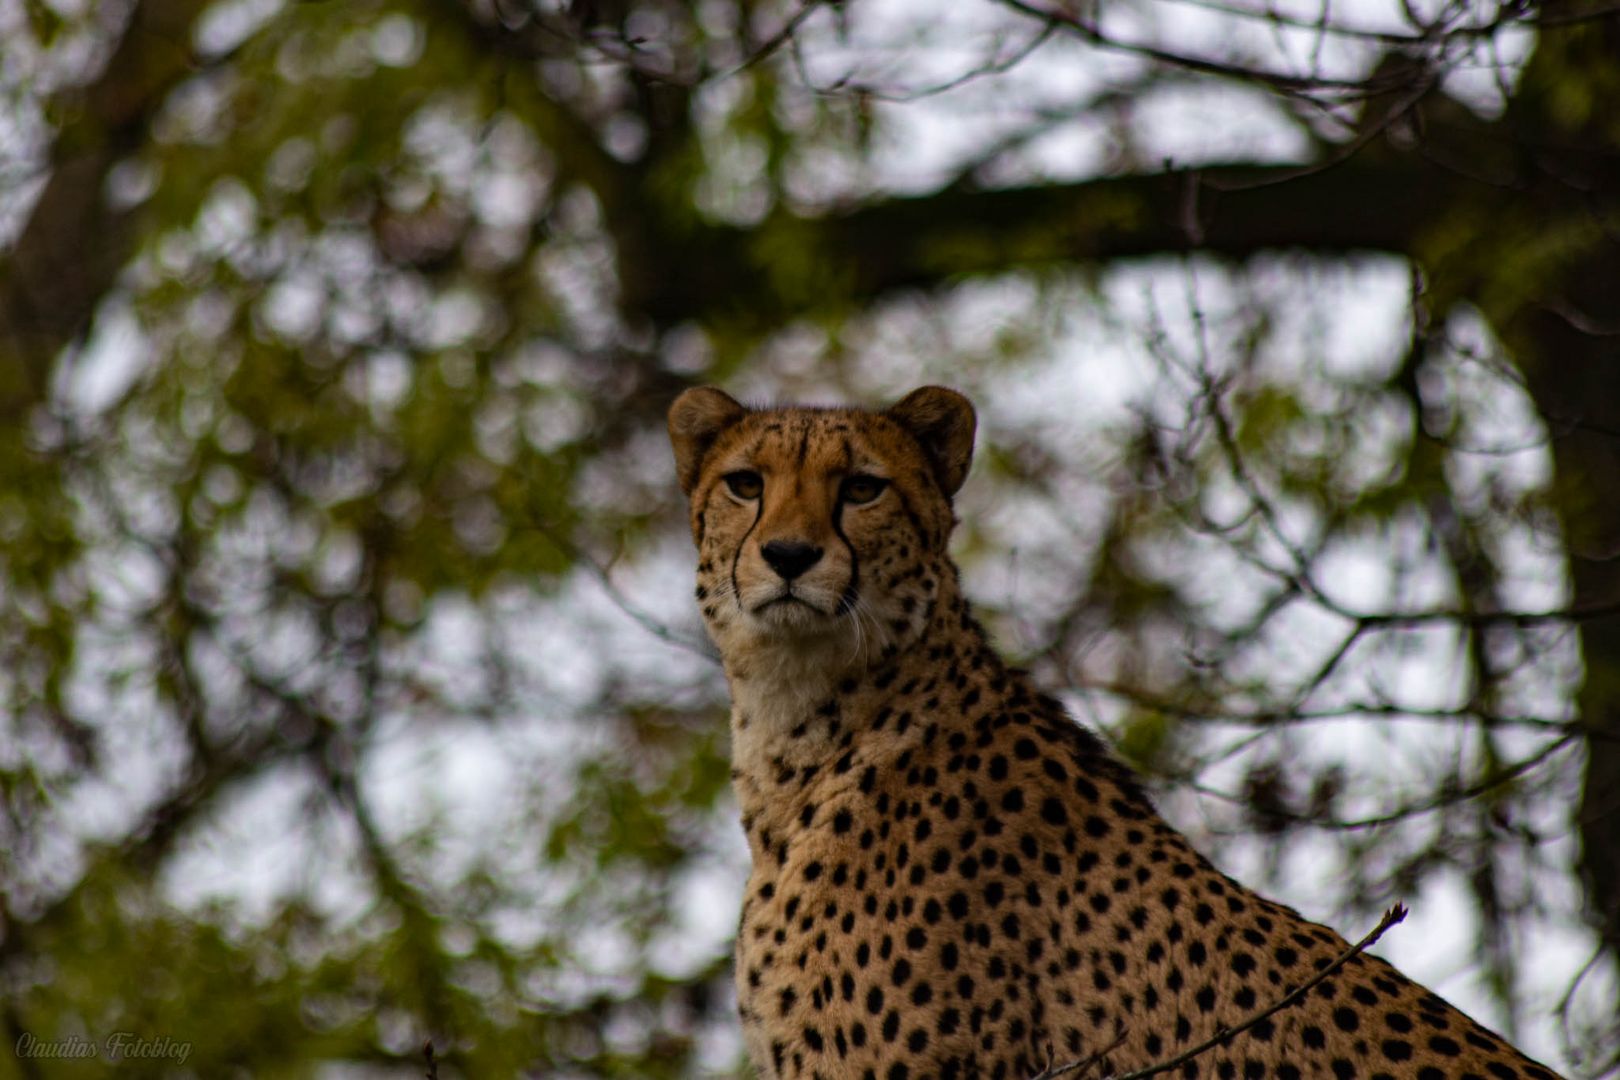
820	525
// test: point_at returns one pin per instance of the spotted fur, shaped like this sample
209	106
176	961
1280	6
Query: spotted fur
951	878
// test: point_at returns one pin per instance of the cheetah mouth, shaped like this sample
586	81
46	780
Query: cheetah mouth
786	601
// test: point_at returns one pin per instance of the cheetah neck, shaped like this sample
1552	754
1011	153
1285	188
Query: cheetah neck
775	696
805	705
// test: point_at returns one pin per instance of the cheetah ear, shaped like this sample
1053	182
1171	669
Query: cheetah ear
942	421
696	419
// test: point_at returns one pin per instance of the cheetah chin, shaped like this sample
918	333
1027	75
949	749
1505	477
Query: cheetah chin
951	878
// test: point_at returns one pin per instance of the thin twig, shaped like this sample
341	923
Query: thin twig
1391	917
1348	711
776	40
1510	17
641	617
1085	1063
645	620
1443	799
1090	32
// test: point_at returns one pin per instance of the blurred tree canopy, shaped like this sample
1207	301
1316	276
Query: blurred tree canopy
349	691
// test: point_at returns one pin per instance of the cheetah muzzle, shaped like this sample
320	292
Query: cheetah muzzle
952	878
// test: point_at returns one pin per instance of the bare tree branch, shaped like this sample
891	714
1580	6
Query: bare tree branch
1391	917
1446	797
1226	1033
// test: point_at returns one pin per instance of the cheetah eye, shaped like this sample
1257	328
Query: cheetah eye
744	483
861	488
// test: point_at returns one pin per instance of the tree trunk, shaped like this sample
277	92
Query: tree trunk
75	243
1563	331
1569	350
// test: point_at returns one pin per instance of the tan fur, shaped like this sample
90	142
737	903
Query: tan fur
950	877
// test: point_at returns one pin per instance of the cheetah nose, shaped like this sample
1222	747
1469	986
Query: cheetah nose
790	558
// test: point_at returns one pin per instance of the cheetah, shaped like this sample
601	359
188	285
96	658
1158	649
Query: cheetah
951	878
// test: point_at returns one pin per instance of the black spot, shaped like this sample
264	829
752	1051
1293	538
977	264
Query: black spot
1397	1049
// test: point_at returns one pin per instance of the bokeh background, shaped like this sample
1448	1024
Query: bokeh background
351	693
